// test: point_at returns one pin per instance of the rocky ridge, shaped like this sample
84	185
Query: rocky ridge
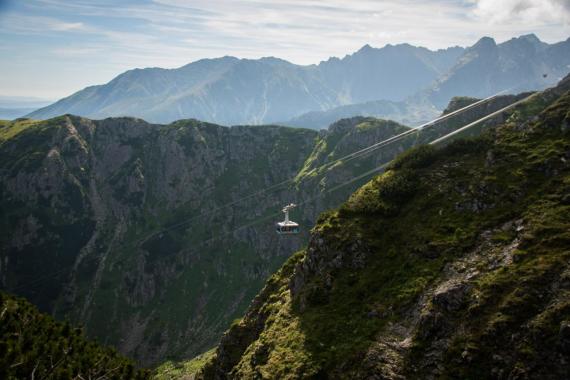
453	263
116	224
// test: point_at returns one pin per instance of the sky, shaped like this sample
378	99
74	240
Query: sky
52	48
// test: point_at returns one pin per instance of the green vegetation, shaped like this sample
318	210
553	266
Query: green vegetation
347	136
34	345
458	102
86	202
9	129
182	370
496	207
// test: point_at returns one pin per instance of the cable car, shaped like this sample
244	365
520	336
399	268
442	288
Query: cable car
544	75
287	227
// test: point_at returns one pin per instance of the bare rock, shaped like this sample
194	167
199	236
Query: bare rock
450	296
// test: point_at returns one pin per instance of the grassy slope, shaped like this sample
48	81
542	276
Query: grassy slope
182	370
428	210
9	129
280	150
34	345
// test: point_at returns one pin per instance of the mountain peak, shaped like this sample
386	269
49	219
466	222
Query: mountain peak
528	42
530	37
485	43
274	60
366	48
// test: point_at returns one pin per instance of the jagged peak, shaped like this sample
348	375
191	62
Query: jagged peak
484	43
530	37
525	39
274	60
365	48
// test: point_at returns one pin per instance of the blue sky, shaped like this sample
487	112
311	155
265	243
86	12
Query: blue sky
52	48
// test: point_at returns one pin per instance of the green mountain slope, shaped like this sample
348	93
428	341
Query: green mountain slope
34	345
452	264
118	224
85	204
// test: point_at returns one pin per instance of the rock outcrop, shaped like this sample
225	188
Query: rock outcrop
400	283
124	226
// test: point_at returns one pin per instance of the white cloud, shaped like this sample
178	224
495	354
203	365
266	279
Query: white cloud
32	24
533	11
65	26
170	33
77	51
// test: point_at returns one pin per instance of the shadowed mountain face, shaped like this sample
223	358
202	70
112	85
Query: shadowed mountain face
241	91
453	264
117	224
232	91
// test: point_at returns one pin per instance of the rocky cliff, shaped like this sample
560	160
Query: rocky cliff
124	226
454	263
118	225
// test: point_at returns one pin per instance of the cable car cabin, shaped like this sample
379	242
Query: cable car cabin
287	227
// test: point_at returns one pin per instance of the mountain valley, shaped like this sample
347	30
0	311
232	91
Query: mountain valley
454	263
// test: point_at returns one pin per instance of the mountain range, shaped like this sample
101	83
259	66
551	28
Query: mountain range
158	238
453	264
404	82
123	226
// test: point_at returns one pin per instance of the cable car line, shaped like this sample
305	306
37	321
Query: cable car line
412	130
465	127
346	158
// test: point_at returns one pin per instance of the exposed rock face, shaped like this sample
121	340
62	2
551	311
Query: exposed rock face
117	223
82	204
125	218
400	283
450	295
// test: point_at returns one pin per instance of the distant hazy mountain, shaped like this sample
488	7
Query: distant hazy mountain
268	90
516	65
412	113
241	91
390	73
12	107
486	68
